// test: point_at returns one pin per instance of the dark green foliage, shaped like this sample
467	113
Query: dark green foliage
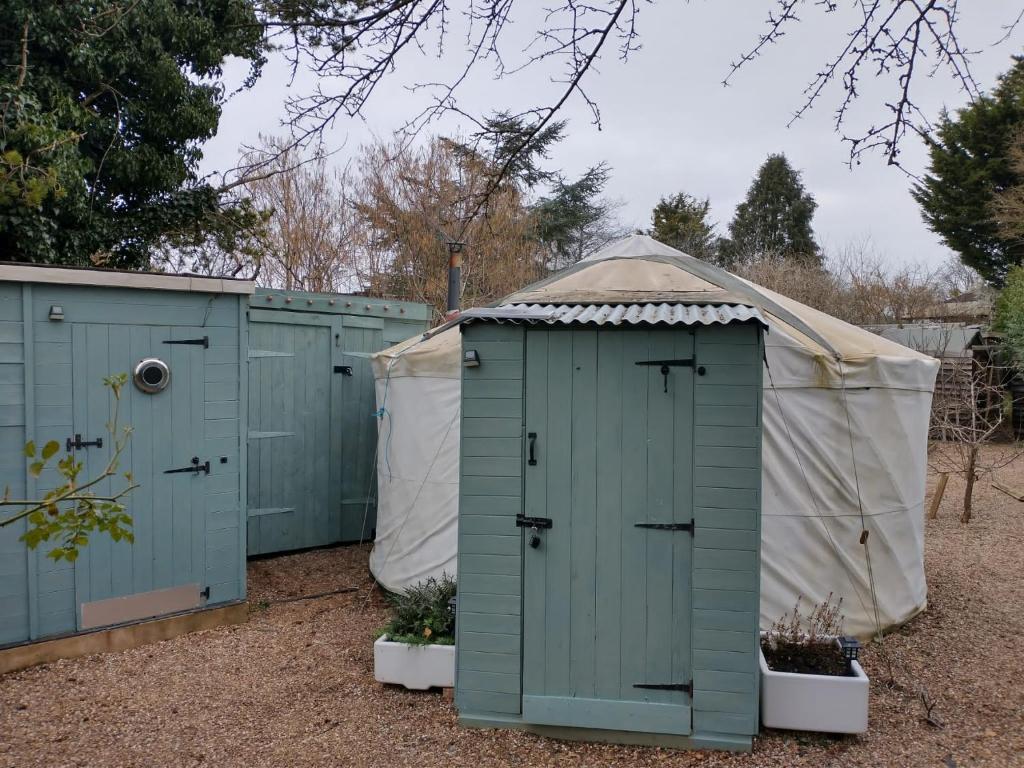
682	222
422	615
513	149
775	218
102	126
1009	316
969	164
574	220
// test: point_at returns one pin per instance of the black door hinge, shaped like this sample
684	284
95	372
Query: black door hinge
205	592
685	687
194	467
344	370
79	443
203	342
524	521
667	526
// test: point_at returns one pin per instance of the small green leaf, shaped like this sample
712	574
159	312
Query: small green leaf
30	449
49	449
35	468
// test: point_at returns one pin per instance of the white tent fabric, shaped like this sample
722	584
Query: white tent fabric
844	447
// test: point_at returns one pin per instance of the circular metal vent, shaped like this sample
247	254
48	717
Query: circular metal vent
151	375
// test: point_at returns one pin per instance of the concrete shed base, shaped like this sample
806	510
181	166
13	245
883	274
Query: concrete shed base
121	637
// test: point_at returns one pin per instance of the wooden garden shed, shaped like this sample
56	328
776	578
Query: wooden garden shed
312	433
181	339
609	521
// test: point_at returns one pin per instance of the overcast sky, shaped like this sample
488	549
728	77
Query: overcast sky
669	125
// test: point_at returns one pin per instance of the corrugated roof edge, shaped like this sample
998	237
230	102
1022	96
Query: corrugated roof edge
619	314
116	278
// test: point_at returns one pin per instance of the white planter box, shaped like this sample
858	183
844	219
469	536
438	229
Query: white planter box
415	666
824	703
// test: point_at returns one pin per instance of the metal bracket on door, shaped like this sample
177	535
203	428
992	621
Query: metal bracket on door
203	342
667	365
685	687
344	370
667	526
524	521
78	443
195	467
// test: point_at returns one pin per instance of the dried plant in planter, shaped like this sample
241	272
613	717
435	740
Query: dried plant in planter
422	613
806	644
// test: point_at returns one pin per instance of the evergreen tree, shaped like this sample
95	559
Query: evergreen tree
682	222
969	167
104	106
574	219
775	218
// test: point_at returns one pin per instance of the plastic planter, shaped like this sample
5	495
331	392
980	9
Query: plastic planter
415	666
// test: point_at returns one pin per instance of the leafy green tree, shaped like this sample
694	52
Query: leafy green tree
1009	315
104	106
969	166
775	218
682	222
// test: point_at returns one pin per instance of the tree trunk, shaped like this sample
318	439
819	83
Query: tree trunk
972	461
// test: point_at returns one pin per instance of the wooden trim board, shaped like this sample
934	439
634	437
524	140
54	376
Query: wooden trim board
121	638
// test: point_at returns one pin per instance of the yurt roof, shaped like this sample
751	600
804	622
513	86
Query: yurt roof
640	270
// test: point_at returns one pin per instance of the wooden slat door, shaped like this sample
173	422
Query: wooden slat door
293	442
168	510
606	604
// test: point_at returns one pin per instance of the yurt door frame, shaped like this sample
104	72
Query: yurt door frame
606	600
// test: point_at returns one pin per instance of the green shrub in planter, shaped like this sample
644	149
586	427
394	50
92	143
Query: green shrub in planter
422	614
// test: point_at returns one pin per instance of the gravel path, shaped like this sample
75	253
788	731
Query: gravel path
294	686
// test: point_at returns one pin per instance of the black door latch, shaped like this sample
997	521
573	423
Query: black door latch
203	342
195	467
79	443
666	365
344	370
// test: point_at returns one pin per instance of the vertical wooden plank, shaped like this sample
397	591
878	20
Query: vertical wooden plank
608	514
556	441
80	403
198	484
582	583
682	505
28	344
661	392
183	445
336	436
122	571
140	502
164	457
633	503
535	505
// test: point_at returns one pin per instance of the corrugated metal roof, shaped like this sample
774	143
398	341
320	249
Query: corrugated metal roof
619	314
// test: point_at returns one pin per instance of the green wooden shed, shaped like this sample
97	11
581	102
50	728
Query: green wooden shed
312	433
609	522
182	339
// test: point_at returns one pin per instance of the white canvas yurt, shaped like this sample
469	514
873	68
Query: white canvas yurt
844	448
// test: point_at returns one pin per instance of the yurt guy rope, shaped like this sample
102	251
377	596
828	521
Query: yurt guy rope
860	507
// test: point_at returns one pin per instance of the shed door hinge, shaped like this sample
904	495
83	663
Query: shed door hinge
685	687
667	526
203	342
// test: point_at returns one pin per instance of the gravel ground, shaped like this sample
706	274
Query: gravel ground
294	686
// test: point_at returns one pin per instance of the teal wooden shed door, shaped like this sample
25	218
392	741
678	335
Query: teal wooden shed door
606	607
168	508
293	442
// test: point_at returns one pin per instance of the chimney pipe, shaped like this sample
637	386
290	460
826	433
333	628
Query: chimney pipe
454	275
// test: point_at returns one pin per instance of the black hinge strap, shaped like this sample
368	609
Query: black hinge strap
79	443
686	362
203	342
667	526
525	521
195	467
686	687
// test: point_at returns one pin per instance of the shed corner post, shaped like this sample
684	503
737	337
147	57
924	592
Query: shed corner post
243	442
28	366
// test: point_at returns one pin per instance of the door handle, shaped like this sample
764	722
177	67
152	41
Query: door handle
532	437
